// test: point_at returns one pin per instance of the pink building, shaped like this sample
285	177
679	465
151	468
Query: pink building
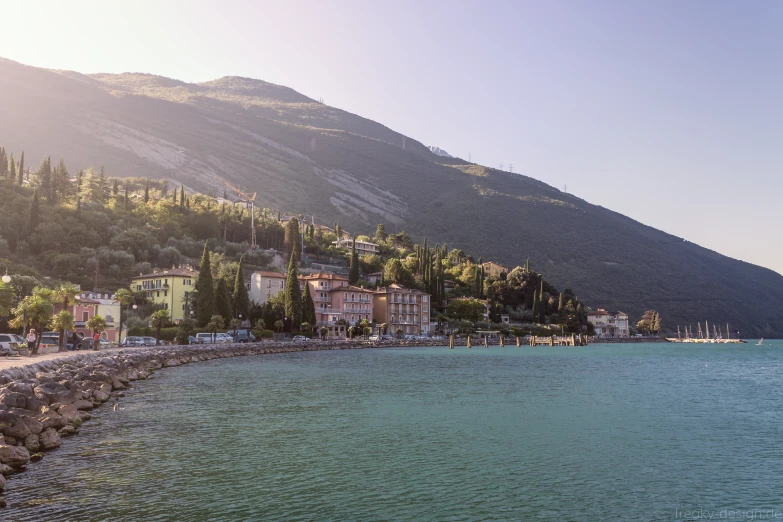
327	312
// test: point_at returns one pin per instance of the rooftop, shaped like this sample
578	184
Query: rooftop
270	274
182	271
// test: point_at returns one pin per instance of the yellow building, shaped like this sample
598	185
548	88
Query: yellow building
170	288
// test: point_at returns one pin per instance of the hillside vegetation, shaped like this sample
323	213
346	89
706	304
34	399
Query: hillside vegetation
307	157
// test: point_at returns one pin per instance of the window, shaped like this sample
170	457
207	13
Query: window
165	293
165	306
282	284
183	308
138	288
157	294
109	319
269	283
85	316
345	296
166	282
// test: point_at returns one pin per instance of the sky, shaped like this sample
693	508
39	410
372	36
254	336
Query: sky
669	112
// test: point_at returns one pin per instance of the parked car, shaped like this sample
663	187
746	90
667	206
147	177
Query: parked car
299	338
374	338
208	338
9	344
148	341
243	336
49	342
132	341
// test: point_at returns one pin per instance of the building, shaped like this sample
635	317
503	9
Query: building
169	288
354	303
403	309
363	248
492	269
609	324
328	308
375	278
109	309
265	285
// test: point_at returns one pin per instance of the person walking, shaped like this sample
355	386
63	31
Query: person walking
96	341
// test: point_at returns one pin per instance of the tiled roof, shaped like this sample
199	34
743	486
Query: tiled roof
325	275
270	274
180	272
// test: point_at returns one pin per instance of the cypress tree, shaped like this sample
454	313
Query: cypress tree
293	295
174	196
126	196
33	213
187	203
12	170
205	296
78	206
80	181
115	189
353	272
21	168
101	186
535	306
3	163
241	299
308	307
223	300
147	192
182	196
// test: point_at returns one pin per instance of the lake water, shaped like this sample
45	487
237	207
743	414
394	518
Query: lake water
605	432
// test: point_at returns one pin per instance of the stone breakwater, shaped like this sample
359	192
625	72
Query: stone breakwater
41	403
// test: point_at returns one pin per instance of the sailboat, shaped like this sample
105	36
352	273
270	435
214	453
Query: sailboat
761	341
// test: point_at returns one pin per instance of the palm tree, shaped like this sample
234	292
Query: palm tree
279	324
159	319
65	294
364	327
62	321
215	323
384	326
125	297
35	311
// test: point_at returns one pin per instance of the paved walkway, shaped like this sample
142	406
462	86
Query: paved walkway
24	360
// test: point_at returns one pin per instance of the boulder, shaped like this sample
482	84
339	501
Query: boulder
100	396
14	456
32	443
6	470
49	439
2	482
52	419
10	441
20	430
66	431
34	424
82	404
12	399
69	413
172	362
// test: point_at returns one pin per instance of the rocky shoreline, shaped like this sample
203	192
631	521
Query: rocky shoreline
42	402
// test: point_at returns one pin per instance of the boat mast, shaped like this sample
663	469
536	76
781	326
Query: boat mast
678	331
707	329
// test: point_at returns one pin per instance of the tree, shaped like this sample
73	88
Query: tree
62	321
21	168
364	327
308	306
126	197
125	297
115	189
656	325
182	196
12	170
394	272
353	272
241	299
293	242
66	294
7	295
214	324
34	311
101	186
61	181
205	290
293	295
97	324
279	324
33	214
147	192
380	233
159	319
222	300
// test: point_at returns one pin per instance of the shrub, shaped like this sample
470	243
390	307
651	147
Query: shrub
262	334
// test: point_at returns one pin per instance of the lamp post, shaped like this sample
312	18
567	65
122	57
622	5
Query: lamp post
6	277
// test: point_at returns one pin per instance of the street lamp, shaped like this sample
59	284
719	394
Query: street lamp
6	277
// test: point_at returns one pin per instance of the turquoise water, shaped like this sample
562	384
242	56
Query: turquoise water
606	432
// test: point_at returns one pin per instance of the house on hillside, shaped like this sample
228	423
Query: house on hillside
493	269
608	324
363	248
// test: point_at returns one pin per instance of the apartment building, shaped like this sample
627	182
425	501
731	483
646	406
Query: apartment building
404	309
169	288
265	285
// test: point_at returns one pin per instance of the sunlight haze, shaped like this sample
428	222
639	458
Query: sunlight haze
667	112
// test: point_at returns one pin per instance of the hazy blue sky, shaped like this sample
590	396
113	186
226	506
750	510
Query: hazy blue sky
668	112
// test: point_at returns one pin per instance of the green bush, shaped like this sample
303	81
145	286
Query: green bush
262	334
166	334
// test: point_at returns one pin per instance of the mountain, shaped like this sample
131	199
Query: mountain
439	152
302	155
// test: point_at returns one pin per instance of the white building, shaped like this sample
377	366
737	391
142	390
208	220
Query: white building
363	248
609	324
264	285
